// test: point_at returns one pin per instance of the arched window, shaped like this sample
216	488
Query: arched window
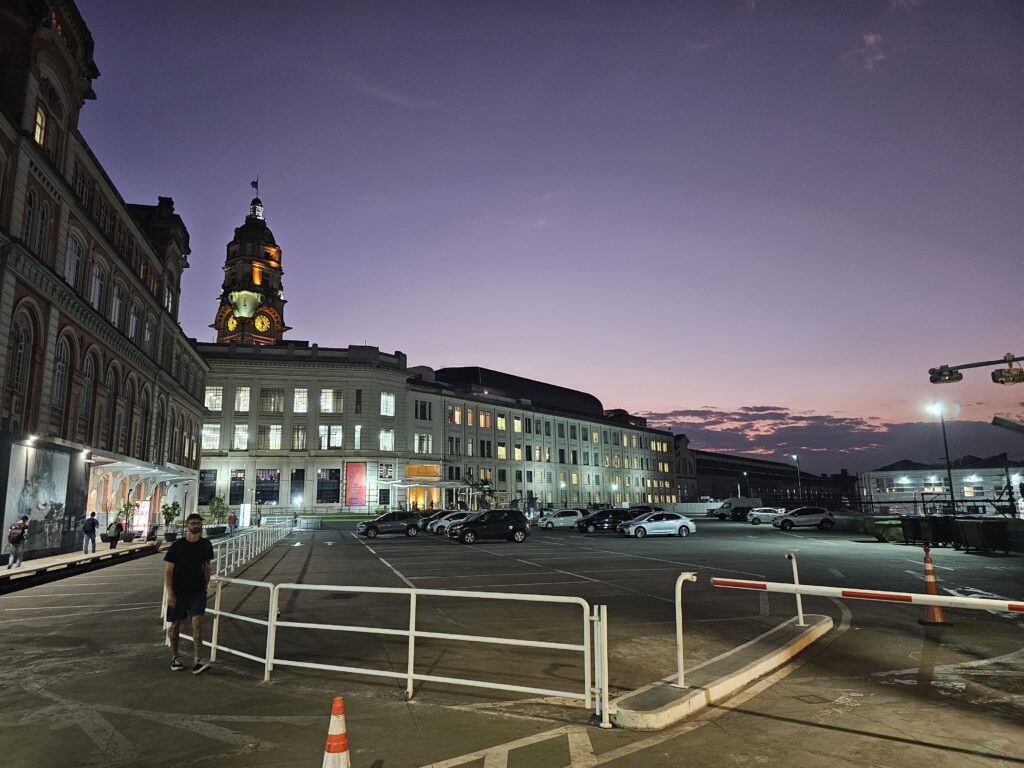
88	393
109	410
98	286
28	230
40	132
127	432
59	393
42	236
161	433
73	260
144	451
19	370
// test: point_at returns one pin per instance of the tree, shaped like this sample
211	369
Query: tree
170	513
218	509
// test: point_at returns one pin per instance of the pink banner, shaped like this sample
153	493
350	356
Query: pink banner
355	484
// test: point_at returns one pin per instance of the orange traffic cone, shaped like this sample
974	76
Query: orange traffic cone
933	615
336	751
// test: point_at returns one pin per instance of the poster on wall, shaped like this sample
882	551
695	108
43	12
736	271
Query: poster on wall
37	486
355	483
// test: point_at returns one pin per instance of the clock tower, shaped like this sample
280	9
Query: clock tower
251	309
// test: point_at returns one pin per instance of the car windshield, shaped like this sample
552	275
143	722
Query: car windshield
474	516
639	518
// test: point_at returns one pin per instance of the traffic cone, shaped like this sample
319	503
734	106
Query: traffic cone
933	615
336	751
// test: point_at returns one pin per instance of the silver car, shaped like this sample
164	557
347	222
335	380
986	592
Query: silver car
760	515
658	524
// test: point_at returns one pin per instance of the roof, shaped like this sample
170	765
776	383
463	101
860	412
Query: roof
537	392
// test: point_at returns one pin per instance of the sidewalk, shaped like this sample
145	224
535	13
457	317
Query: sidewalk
42	569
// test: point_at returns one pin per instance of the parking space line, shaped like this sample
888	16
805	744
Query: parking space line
943	567
808	538
389	565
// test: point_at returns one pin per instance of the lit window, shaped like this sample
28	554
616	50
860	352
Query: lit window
485	420
97	287
298	437
211	437
387	404
517	424
240	440
331	401
269	438
300	403
454	414
501	422
214	399
73	261
387	439
242	400
357	436
517	452
502	450
423	442
40	134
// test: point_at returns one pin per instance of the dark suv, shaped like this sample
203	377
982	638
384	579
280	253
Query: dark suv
390	522
603	520
509	524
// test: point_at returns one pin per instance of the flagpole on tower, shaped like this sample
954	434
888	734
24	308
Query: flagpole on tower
256	185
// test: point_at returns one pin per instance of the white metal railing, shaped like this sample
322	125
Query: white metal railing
594	652
685	576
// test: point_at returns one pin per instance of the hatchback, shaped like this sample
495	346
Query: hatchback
760	515
805	516
562	518
658	524
440	525
603	520
389	522
508	524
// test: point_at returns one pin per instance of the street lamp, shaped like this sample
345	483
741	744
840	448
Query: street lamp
936	408
615	488
565	498
799	482
747	481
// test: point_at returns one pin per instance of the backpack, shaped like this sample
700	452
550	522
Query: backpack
15	534
89	526
112	529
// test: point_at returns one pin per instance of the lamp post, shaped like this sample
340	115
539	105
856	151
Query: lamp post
747	481
799	482
615	488
938	409
565	497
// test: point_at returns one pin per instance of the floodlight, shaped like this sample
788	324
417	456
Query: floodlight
945	375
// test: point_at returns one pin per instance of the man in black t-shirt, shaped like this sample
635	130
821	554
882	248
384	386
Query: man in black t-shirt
189	567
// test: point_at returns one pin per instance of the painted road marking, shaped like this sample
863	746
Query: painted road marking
389	565
808	538
943	567
837	573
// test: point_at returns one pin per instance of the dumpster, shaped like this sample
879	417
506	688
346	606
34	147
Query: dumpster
938	530
986	535
911	526
888	530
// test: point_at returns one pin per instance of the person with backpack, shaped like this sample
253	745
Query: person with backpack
114	533
89	533
17	535
186	580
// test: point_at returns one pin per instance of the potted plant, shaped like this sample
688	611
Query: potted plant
218	512
170	513
127	511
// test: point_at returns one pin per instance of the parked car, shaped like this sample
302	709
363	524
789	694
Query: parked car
508	524
427	519
603	520
560	518
641	509
658	524
805	516
389	522
440	525
760	515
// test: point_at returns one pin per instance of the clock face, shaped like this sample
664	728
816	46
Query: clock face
232	323
262	323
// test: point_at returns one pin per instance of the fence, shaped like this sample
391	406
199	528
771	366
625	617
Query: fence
592	648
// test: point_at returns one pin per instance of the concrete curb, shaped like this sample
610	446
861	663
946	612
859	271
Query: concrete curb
662	704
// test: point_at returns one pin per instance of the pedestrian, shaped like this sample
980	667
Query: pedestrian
257	518
114	533
187	578
232	523
89	530
17	535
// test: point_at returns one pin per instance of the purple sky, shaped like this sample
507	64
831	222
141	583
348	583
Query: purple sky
687	209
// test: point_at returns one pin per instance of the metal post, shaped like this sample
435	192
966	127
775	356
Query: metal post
595	624
588	621
268	664
686	576
412	645
791	556
949	471
216	622
605	722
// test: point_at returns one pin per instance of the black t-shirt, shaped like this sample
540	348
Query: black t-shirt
188	558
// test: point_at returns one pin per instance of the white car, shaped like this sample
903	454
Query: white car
560	518
658	524
440	525
760	515
803	516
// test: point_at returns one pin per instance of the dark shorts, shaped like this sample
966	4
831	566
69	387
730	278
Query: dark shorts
186	606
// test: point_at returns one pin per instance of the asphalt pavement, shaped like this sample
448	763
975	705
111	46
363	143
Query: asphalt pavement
87	675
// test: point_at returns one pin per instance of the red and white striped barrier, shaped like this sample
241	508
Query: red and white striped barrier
972	603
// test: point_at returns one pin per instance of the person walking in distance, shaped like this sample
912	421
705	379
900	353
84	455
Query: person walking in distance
189	567
89	533
232	523
114	533
257	518
17	535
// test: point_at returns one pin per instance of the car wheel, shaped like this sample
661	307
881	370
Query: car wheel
550	526
518	535
786	525
439	530
826	525
684	531
640	532
468	537
591	528
412	530
756	521
722	517
371	532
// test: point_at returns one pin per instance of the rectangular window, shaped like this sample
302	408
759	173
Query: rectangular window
359	401
529	475
298	486
485	420
423	442
574	457
561	455
214	399
328	486
454	414
298	437
385	471
517	424
331	401
519	475
529	453
561	429
469	416
271	400
572	431
574	478
335	436
595	437
242	400
547	429
387	439
529	426
97	287
133	322
300	400
357	436
72	262
240	439
501	422
517	452
502	450
387	403
269	437
268	486
211	437
207	485
424	411
117	307
384	497
502	475
236	489
586	458
547	453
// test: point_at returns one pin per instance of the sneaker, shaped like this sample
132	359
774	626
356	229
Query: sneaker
200	666
176	664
